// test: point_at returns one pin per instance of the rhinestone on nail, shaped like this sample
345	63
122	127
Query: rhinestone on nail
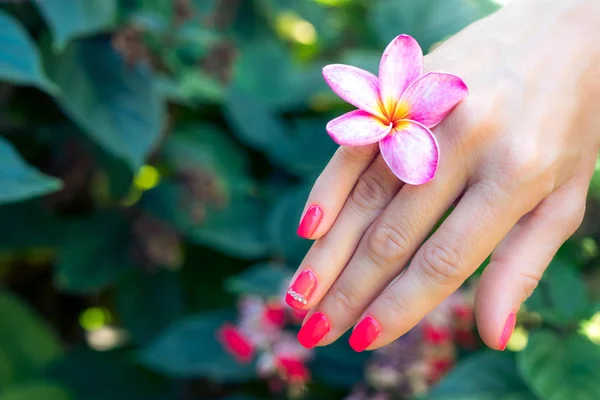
297	296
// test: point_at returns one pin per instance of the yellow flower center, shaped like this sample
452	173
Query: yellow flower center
394	112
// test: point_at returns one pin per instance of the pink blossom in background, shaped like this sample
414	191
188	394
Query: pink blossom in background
396	109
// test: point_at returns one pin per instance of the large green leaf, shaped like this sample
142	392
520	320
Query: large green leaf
561	296
561	368
189	348
36	391
19	58
116	104
265	279
149	302
428	21
234	215
484	376
18	180
26	343
69	19
95	253
255	124
235	228
207	148
265	71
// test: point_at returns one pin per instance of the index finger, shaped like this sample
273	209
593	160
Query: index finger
333	187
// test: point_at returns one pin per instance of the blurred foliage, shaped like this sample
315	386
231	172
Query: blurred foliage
155	156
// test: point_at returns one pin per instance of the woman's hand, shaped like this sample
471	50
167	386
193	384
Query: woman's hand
516	158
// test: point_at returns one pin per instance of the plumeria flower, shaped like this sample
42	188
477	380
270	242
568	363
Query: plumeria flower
398	109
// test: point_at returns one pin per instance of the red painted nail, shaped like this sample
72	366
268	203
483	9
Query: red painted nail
314	330
364	334
310	222
509	327
303	287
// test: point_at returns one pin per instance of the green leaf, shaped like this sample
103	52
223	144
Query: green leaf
211	163
189	348
310	148
265	279
484	376
94	254
237	230
149	302
27	344
265	71
191	87
282	224
207	148
18	180
19	58
94	375
561	296
36	391
255	124
116	104
561	368
428	21
69	19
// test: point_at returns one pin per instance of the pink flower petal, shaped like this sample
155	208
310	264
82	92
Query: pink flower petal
430	98
400	65
235	343
355	86
357	128
411	151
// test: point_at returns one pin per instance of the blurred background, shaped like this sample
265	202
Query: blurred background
155	156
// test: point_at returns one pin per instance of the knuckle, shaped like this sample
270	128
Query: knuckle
353	153
346	297
440	263
388	242
369	193
528	283
523	163
574	217
395	303
324	249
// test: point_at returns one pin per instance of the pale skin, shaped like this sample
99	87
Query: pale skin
516	160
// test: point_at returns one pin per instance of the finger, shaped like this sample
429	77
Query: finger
520	260
333	186
482	218
386	246
328	256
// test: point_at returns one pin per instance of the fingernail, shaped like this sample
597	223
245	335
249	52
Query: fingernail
310	222
314	330
509	326
364	334
303	287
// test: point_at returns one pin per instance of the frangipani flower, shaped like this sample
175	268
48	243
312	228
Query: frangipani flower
398	109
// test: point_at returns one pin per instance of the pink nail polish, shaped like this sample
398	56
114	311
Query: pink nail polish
310	222
303	287
314	330
365	332
509	327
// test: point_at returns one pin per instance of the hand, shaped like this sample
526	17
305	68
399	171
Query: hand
517	158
